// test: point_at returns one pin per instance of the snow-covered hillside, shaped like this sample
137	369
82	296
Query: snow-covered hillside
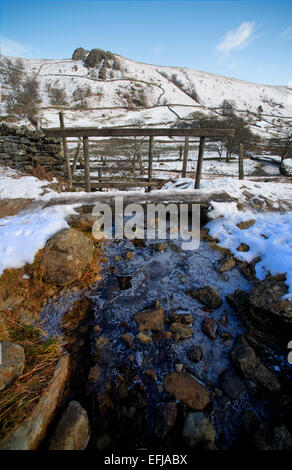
154	94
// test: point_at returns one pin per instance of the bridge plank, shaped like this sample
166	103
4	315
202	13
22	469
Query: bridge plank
135	132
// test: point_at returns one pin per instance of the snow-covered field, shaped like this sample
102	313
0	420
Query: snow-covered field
167	90
210	168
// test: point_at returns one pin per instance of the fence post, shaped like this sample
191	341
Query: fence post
99	177
65	149
151	145
86	165
76	158
240	162
200	162
185	160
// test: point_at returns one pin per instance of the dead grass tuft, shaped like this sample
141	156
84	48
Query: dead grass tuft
40	173
41	356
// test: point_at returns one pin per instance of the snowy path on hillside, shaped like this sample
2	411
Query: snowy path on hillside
181	90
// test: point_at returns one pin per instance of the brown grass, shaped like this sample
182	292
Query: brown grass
41	356
40	172
21	298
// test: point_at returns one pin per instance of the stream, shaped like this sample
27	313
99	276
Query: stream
127	386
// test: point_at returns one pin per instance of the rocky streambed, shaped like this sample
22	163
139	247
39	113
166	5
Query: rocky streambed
166	354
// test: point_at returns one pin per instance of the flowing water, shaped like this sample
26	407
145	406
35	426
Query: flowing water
129	286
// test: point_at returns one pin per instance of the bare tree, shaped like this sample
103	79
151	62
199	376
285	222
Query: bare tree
13	72
24	100
281	144
218	146
80	95
57	96
135	151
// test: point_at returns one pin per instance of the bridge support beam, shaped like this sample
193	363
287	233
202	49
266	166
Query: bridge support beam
200	162
86	165
65	150
150	160
185	160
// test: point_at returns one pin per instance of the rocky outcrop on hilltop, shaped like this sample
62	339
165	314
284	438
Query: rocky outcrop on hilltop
79	54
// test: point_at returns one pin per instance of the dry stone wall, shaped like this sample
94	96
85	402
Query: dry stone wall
23	149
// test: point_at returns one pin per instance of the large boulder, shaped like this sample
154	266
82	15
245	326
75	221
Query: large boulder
187	389
72	431
246	361
199	431
12	362
66	256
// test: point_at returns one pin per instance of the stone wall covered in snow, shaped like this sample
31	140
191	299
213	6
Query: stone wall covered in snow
23	149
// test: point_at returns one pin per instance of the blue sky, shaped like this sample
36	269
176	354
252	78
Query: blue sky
250	40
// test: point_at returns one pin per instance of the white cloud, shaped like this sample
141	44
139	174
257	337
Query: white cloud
287	33
13	49
238	38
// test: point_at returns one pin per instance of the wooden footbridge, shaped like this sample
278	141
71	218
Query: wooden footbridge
125	182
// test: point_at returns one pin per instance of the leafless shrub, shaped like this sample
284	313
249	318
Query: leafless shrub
281	144
57	96
80	95
13	72
24	100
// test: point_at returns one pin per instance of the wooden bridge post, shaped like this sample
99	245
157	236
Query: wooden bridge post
65	149
151	146
200	162
240	162
185	160
86	165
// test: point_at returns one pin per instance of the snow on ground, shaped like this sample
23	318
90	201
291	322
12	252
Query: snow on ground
270	238
22	235
288	165
210	167
235	188
20	187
